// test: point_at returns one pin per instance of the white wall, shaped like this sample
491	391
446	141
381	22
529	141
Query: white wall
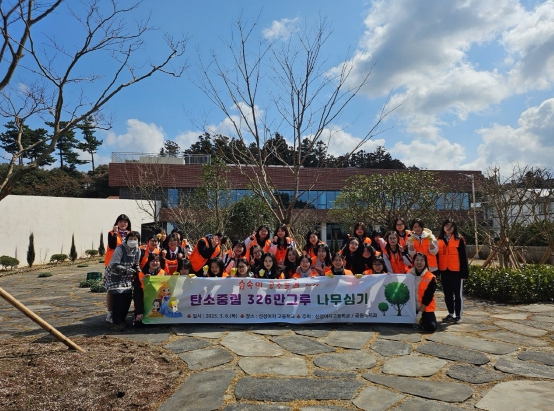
54	219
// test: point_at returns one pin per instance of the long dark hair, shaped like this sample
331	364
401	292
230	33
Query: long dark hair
455	233
257	235
282	243
290	267
327	253
123	217
274	268
219	263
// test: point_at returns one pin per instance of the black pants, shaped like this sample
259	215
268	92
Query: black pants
428	322
452	285
121	304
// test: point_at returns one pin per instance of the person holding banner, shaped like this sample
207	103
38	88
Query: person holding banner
214	268
184	267
337	266
119	275
206	248
305	269
377	266
242	269
152	267
269	268
425	286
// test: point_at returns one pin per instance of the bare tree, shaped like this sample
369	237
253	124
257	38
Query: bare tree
56	81
512	202
283	86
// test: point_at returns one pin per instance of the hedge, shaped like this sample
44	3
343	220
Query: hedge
534	283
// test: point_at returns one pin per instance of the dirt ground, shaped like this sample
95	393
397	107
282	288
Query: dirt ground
111	375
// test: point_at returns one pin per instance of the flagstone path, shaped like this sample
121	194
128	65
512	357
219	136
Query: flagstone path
500	358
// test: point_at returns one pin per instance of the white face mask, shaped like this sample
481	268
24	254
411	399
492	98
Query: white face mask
132	243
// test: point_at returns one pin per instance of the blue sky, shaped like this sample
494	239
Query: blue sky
474	77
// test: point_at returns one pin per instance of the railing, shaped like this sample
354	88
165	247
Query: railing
152	158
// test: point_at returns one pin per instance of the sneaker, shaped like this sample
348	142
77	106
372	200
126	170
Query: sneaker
448	319
109	317
457	320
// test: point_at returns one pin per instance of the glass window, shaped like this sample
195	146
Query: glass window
172	197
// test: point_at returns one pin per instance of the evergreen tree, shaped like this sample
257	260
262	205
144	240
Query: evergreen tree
29	137
170	149
66	144
31	250
101	248
73	251
90	143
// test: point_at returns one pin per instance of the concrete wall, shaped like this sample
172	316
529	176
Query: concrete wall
54	219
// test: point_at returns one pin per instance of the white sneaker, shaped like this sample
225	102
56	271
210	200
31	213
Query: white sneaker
109	317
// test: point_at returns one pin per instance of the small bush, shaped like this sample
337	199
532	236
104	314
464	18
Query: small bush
97	288
91	253
534	283
45	275
101	248
31	250
57	258
7	261
73	250
82	265
88	283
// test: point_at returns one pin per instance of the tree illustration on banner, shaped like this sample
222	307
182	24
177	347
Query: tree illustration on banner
397	294
383	307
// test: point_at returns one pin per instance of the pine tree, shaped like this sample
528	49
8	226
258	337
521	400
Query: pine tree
91	143
31	250
66	144
170	149
101	248
29	137
73	251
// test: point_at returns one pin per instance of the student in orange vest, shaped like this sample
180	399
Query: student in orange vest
422	240
282	241
152	267
425	285
214	268
291	263
361	233
454	269
269	268
395	256
403	234
230	258
173	253
242	269
305	269
259	237
312	241
206	248
151	247
337	266
377	266
116	237
322	262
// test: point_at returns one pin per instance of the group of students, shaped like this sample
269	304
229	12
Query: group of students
398	251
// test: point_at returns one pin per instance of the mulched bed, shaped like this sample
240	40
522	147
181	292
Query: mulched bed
112	374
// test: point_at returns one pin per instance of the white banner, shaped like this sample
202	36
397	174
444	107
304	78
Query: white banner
372	298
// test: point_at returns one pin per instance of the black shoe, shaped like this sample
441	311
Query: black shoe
448	319
457	320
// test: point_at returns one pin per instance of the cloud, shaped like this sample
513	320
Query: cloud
529	143
435	153
281	29
339	142
140	138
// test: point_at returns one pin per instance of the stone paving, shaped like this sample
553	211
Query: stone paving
501	358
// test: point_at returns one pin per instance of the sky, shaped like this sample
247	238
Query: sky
472	80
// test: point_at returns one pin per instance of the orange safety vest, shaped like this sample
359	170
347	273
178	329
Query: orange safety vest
423	247
196	259
281	253
424	281
449	259
403	241
397	263
346	272
144	259
254	242
109	251
316	263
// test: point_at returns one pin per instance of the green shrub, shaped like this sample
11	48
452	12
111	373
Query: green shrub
7	261
56	258
73	250
88	283
82	265
45	275
91	253
97	287
31	250
101	248
534	283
